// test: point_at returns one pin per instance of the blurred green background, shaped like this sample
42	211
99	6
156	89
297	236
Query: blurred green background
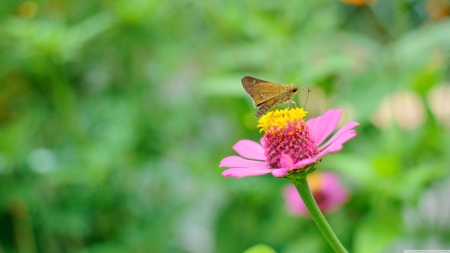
115	114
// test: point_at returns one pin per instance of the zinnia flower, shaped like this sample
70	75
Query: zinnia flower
327	189
289	144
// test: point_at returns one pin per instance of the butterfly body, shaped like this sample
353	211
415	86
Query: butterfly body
266	95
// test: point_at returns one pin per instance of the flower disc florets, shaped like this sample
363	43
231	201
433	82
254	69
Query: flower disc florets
286	133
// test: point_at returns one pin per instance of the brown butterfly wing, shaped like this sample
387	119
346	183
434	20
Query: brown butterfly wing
264	107
261	92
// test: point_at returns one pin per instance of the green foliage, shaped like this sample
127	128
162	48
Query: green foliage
114	116
260	248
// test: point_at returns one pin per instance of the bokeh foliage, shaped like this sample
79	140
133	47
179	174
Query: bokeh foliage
114	116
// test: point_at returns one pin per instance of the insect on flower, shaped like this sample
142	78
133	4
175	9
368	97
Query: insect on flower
266	95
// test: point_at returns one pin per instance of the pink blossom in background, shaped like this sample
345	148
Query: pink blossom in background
288	144
327	189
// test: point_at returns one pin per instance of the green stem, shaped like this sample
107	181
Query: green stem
303	188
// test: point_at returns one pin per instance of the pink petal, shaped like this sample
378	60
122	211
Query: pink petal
262	140
245	172
239	162
294	202
322	126
335	192
334	189
249	149
339	133
337	145
279	172
286	161
332	148
305	162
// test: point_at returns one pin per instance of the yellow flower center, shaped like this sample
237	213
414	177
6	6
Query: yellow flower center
314	181
279	119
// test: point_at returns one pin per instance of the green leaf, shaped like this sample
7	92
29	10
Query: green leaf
260	248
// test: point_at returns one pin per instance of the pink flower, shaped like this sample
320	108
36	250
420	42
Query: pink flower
327	189
288	144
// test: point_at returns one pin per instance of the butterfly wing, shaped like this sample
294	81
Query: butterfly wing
264	107
261	92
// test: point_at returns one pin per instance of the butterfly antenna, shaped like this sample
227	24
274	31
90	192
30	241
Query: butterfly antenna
304	106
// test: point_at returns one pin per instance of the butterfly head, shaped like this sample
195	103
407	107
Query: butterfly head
293	88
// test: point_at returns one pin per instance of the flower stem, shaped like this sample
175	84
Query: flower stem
303	188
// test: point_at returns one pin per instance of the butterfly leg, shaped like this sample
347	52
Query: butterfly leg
290	101
274	111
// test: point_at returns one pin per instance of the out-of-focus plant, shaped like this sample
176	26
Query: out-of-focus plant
120	110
